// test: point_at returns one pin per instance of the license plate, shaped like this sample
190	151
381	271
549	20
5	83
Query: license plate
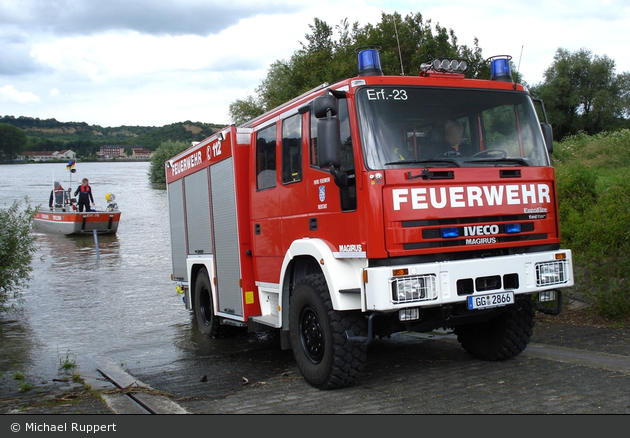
490	300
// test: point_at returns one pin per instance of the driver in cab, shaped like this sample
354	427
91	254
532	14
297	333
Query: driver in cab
453	143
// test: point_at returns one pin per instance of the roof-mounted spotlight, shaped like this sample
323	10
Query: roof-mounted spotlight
500	68
369	61
444	65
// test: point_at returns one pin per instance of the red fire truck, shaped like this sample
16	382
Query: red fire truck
376	205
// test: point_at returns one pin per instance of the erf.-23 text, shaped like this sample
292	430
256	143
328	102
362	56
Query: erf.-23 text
380	95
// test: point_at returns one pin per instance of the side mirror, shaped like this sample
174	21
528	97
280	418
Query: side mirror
548	135
326	105
329	143
325	108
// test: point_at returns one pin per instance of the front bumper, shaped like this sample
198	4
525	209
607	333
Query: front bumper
397	287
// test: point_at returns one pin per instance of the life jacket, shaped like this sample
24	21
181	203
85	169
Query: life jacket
58	193
85	189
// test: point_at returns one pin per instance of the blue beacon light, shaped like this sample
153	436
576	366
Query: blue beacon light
369	61
500	68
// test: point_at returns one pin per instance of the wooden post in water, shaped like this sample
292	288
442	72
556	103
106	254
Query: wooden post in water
98	256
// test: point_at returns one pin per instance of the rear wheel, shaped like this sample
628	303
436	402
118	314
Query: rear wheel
207	321
502	337
324	355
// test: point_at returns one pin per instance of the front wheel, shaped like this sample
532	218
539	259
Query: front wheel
324	355
207	321
502	337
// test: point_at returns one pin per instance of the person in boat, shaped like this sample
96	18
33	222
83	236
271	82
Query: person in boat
85	195
56	196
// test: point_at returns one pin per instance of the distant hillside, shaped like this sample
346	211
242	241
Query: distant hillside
44	134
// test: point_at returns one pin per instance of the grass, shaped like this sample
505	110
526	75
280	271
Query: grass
23	385
67	362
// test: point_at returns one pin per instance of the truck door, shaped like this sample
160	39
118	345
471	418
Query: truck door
279	210
333	207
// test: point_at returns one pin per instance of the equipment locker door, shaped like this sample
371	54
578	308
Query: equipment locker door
198	213
226	241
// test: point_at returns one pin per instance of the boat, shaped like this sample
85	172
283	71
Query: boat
65	218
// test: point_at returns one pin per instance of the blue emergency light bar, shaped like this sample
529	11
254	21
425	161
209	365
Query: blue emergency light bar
369	61
512	228
500	68
449	233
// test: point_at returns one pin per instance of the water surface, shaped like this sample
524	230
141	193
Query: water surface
121	304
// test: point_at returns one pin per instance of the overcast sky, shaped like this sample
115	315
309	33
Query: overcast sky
152	63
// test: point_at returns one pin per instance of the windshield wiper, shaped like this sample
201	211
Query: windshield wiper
507	161
426	162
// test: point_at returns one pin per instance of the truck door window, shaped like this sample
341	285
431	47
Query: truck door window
266	158
292	149
348	193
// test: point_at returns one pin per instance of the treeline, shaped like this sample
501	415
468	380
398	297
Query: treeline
581	90
86	140
328	55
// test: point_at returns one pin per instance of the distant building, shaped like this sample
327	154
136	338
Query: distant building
65	155
111	152
119	151
139	152
39	155
48	155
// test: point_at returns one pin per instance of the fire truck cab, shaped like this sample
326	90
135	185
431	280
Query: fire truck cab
375	205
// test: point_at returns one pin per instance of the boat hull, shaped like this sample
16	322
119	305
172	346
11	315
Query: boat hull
73	222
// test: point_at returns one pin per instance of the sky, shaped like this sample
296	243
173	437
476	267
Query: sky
152	63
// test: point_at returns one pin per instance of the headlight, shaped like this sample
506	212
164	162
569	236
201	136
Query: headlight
413	288
549	273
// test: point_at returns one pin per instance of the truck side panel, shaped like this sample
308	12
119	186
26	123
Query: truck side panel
226	239
198	213
178	230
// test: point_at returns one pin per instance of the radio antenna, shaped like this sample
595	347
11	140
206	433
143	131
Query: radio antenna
402	71
518	69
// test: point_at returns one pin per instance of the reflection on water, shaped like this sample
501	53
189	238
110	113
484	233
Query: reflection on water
121	304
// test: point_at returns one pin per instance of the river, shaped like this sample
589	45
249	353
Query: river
81	303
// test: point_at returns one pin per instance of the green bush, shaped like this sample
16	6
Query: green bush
17	245
594	202
166	151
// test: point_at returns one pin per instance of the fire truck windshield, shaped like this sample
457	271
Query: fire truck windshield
436	127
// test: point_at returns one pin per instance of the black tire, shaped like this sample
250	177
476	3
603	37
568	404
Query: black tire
502	337
324	355
207	321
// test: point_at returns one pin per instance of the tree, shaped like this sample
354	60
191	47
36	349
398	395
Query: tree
17	245
329	55
244	110
164	152
582	92
12	141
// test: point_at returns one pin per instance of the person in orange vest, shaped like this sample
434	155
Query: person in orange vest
56	196
85	195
